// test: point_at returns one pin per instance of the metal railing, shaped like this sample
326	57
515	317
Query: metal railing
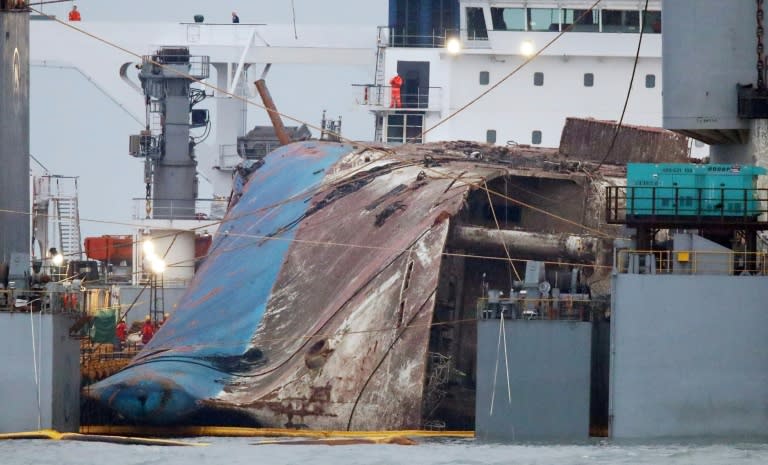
178	65
572	307
381	97
401	37
690	262
684	204
41	301
200	209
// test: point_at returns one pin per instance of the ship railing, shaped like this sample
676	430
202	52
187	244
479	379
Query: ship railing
64	301
379	97
179	65
436	38
690	262
180	209
685	205
570	307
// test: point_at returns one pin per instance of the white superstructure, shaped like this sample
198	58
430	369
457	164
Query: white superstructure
584	73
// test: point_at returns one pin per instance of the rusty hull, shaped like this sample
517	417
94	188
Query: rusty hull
346	276
358	286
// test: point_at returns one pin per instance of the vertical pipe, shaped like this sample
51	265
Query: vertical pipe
274	116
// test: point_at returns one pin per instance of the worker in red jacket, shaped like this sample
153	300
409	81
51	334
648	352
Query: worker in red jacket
121	332
396	83
147	331
74	15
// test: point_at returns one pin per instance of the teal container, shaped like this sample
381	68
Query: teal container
682	189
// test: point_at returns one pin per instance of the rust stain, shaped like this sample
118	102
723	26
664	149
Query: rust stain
205	297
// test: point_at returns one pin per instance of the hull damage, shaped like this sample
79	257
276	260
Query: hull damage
343	280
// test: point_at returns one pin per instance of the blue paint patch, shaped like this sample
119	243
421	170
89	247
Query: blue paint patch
198	348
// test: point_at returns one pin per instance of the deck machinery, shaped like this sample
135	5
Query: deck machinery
721	201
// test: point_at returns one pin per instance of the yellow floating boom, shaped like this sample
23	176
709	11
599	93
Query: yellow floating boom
56	436
229	431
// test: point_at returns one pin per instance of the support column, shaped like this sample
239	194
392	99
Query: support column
14	134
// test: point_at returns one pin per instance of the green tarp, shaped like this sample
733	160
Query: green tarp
104	326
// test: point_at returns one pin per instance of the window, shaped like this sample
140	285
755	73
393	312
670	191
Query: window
652	22
476	24
395	129
582	20
650	81
589	79
508	19
536	137
485	78
490	136
543	19
621	20
402	128
538	79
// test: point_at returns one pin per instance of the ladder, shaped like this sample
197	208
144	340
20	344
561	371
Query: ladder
379	83
381	45
65	202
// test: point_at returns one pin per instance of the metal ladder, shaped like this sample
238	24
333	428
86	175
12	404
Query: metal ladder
381	45
65	200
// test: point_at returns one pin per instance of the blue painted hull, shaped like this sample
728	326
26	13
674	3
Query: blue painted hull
208	340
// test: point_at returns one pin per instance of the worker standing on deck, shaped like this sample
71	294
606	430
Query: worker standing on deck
121	332
396	83
74	15
147	331
235	18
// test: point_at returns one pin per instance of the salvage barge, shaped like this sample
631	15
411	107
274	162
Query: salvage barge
343	287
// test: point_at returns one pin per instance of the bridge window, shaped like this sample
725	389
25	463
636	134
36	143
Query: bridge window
490	136
621	20
652	23
650	81
536	137
589	79
476	28
544	19
538	79
582	20
508	19
485	78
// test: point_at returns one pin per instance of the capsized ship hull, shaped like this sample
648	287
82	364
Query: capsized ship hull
315	305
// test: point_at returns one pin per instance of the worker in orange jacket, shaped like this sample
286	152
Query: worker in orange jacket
396	83
74	15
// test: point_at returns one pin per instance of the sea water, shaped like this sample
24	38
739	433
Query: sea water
236	451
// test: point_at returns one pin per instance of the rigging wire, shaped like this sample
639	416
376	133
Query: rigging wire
511	73
293	10
39	163
180	351
503	243
629	90
488	191
355	170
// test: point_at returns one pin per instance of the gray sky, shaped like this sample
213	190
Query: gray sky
77	131
260	11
